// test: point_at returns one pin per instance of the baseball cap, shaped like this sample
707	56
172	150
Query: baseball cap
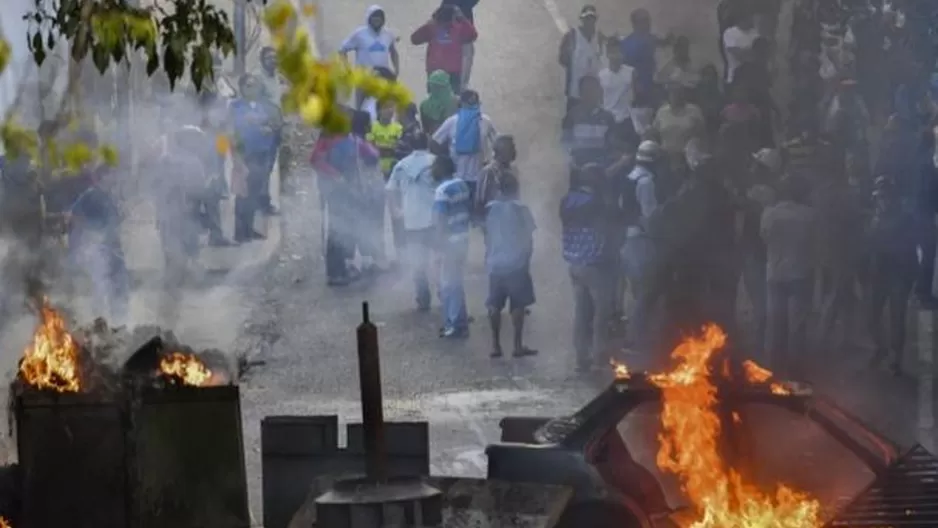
588	11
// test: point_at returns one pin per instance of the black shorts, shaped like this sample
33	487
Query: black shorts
515	287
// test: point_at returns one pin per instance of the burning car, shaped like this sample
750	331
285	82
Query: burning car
701	446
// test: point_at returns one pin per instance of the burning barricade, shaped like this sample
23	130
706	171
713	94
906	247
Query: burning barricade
154	441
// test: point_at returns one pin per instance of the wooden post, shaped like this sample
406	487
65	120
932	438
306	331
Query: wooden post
369	378
926	377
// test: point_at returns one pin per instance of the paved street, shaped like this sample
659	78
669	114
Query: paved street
304	332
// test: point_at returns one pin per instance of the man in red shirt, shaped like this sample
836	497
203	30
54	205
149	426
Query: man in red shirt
445	35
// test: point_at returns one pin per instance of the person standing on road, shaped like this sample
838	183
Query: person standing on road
270	77
374	45
616	81
737	44
94	232
588	251
411	191
509	245
445	36
257	126
680	69
451	211
500	168
589	123
470	135
639	49
341	162
893	270
441	102
675	124
581	53
469	49
789	231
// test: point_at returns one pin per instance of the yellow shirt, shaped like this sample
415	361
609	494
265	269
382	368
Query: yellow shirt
385	137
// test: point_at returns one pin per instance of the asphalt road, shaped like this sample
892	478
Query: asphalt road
307	331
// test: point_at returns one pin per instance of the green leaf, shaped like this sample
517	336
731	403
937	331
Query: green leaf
173	64
101	58
153	61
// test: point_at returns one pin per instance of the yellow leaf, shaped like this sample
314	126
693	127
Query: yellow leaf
5	52
222	144
312	110
278	15
108	155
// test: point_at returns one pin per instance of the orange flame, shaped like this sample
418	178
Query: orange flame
186	368
51	359
689	437
760	375
621	370
4	523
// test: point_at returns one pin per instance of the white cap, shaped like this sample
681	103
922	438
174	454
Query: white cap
648	151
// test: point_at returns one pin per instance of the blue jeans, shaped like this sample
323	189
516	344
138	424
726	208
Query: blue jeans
452	289
418	260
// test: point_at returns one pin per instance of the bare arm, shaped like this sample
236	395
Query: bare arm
395	59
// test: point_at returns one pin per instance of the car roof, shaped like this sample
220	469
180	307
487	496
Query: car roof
623	396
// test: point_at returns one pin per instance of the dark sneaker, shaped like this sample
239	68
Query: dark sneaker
524	352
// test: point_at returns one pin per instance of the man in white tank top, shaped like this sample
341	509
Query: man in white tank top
581	53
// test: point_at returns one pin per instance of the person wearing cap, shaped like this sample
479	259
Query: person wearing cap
591	254
893	268
469	137
581	51
789	230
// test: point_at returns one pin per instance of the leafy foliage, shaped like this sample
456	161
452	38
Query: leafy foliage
317	86
178	38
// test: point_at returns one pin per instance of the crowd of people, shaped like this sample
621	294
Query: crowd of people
687	185
688	182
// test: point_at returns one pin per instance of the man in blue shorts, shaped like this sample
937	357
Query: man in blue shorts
509	244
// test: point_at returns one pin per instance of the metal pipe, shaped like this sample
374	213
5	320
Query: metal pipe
369	376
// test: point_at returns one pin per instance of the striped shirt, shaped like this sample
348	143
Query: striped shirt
453	204
588	132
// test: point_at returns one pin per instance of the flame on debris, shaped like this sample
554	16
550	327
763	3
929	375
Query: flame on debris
4	523
761	375
51	359
689	449
621	370
186	368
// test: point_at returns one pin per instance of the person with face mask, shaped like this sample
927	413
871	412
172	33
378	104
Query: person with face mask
374	44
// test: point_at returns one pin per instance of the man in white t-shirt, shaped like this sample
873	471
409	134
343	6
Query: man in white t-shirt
373	43
616	81
737	44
